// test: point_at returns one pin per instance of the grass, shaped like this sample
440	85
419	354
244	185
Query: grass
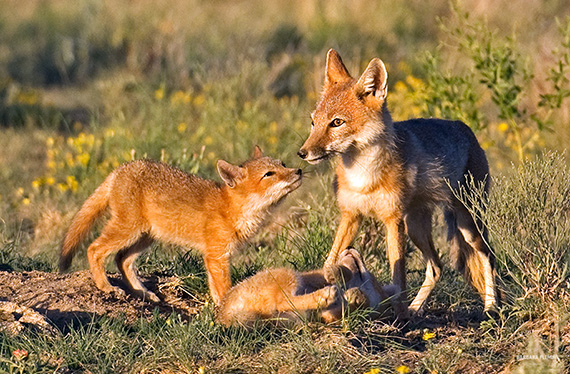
85	86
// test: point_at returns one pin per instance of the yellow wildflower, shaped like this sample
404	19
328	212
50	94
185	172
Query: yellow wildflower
50	141
90	140
109	133
201	370
62	187
199	100
182	127
402	369
400	87
273	126
503	126
208	140
50	181
159	94
272	140
26	201
83	158
414	82
373	371
180	97
51	165
69	159
428	335
72	183
37	183
20	192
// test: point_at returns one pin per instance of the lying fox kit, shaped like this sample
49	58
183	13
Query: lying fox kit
362	287
284	295
150	201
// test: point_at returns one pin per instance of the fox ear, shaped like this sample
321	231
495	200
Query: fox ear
257	152
335	70
373	84
229	173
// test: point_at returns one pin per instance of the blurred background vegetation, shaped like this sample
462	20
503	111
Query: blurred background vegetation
86	85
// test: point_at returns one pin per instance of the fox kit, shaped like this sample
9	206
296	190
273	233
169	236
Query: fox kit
150	201
285	295
398	173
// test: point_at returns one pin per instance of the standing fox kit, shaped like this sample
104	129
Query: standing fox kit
286	295
398	173
150	200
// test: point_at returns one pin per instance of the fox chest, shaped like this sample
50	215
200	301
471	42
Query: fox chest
379	204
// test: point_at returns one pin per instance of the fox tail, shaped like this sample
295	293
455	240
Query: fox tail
92	209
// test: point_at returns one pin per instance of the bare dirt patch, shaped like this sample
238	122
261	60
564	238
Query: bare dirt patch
71	298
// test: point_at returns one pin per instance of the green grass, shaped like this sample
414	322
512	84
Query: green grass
85	86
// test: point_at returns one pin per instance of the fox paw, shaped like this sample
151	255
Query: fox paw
333	274
148	295
328	296
356	298
116	292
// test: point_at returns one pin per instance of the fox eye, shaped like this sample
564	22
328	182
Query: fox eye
268	174
336	122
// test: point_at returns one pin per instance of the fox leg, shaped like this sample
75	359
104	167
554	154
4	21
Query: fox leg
320	299
349	222
125	260
480	261
419	228
218	269
112	239
395	246
327	300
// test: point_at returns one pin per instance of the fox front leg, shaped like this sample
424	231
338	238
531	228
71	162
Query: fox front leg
345	233
218	269
396	248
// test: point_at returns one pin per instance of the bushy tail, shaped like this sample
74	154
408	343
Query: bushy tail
92	209
463	256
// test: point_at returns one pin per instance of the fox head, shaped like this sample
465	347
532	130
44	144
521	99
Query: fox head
350	113
262	181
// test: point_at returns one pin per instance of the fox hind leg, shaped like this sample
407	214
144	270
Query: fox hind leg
125	260
477	258
419	229
113	238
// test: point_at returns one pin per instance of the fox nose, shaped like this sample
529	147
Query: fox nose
302	153
299	172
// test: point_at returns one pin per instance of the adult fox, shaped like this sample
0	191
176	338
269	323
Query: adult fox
398	173
151	200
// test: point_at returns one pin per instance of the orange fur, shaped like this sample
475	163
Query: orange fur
150	201
283	295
